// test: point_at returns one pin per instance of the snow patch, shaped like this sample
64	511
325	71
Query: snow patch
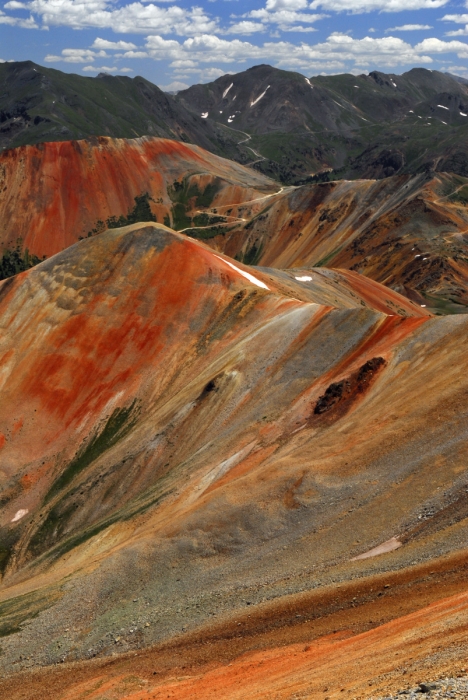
463	114
444	122
304	279
204	115
423	306
259	97
227	90
394	84
357	86
411	111
229	120
388	546
442	107
309	83
20	514
247	275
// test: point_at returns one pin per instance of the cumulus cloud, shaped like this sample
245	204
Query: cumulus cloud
438	46
135	17
409	28
76	56
333	54
106	69
175	86
112	45
458	19
245	27
360	6
286	19
286	4
29	23
458	32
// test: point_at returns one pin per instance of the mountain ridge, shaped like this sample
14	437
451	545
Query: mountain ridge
283	123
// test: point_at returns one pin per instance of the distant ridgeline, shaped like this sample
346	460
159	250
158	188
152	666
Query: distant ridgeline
14	261
140	212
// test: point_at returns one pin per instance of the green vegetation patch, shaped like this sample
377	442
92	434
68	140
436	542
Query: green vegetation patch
119	424
204	234
26	607
460	196
185	195
180	220
140	212
251	256
206	219
324	261
14	261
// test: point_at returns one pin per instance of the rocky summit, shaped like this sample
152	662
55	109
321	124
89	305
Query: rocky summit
233	410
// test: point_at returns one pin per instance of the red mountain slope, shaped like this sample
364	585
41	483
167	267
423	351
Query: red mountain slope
407	232
184	439
53	193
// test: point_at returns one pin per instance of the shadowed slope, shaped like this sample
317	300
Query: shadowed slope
182	438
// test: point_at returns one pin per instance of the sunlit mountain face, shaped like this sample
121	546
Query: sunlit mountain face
233	312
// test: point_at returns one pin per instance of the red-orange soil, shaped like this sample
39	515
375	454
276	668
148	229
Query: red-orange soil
407	232
53	193
187	442
365	639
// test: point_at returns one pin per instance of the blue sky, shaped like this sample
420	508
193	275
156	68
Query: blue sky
175	43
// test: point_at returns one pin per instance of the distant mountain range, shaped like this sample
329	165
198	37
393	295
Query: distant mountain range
42	104
284	124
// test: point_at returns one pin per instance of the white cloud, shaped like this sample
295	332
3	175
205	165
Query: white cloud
95	69
213	73
458	19
106	69
29	23
359	6
76	56
409	28
135	54
458	32
133	18
245	27
112	45
333	54
463	70
286	4
297	28
438	46
287	20
175	86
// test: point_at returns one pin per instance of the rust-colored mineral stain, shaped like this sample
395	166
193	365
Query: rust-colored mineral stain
58	191
156	405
